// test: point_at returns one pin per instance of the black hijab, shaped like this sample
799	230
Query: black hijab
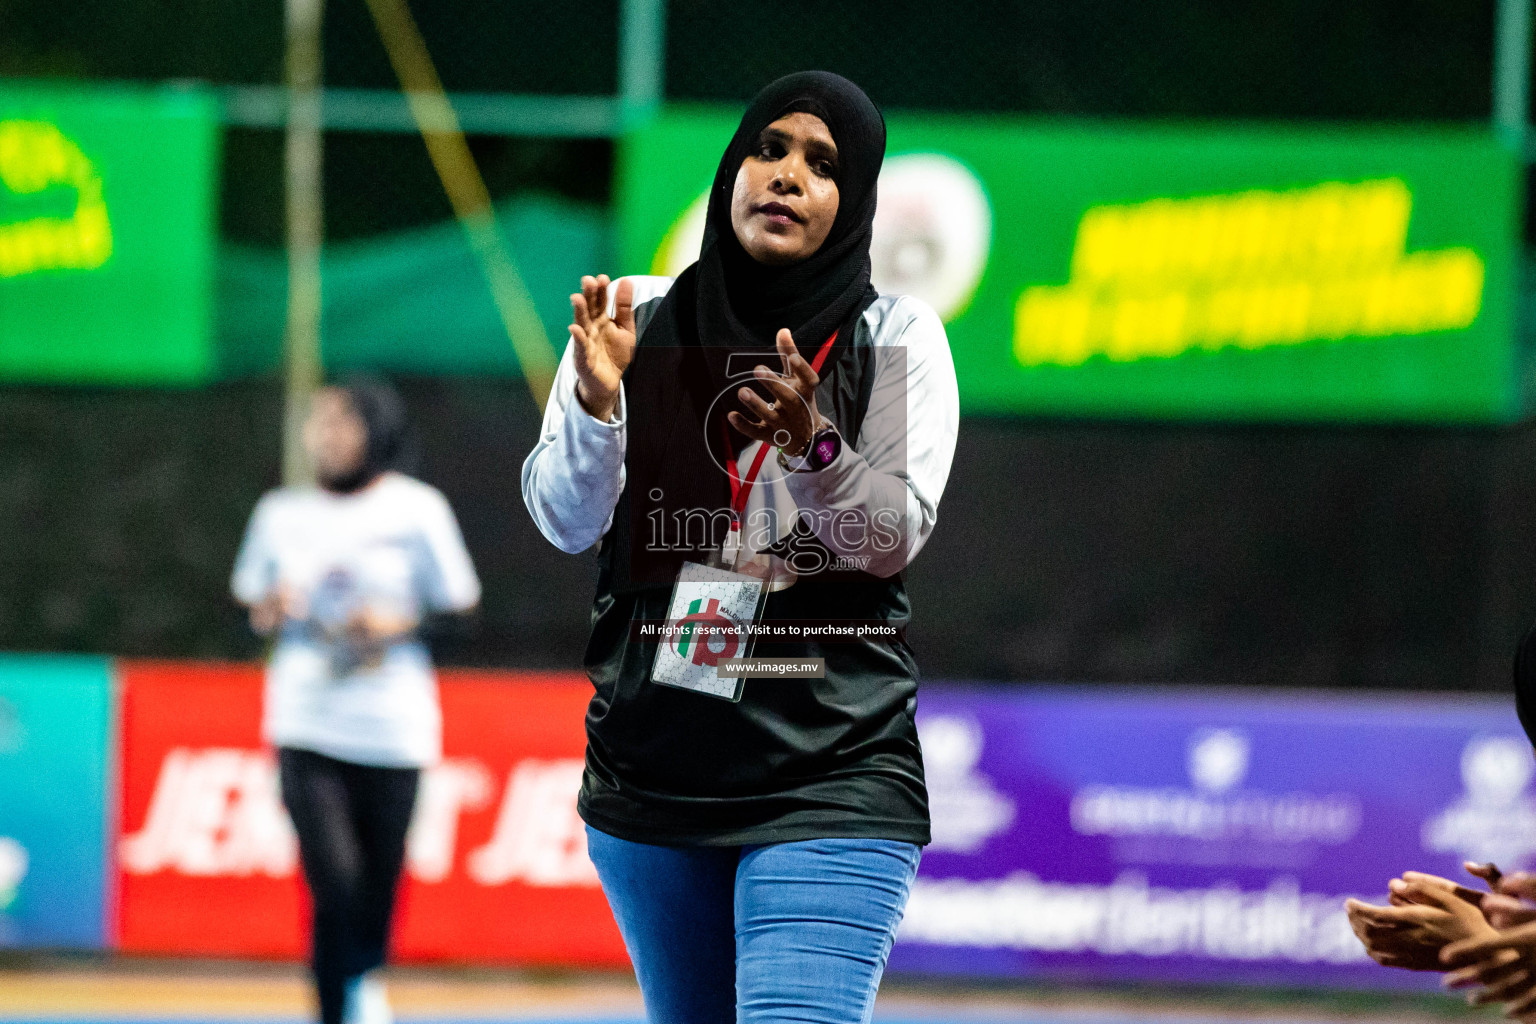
382	411
741	303
727	303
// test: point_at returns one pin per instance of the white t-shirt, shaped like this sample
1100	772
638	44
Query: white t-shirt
394	545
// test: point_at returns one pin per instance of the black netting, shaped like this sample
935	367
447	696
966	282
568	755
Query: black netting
227	41
486	46
1277	58
1280	58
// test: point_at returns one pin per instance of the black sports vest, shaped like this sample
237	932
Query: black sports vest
795	759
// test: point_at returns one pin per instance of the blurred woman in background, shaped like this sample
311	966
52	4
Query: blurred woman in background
342	575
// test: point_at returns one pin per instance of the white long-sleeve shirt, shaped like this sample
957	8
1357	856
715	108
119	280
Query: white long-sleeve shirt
395	546
892	475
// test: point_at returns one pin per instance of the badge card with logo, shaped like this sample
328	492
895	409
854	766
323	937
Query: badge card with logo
708	621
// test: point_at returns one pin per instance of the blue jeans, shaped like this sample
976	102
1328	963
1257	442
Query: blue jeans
757	934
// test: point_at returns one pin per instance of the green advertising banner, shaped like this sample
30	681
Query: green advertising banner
106	234
1137	270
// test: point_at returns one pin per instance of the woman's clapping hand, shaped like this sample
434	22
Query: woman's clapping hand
791	418
1426	914
605	344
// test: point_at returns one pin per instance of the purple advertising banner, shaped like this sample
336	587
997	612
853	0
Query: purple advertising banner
1198	836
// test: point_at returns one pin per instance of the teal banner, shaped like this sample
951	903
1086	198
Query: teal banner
55	759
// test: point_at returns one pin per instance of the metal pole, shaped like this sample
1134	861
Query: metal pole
306	229
1512	72
642	59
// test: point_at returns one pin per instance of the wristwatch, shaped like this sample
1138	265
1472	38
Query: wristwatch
826	445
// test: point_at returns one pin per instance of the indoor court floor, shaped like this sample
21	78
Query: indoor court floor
163	992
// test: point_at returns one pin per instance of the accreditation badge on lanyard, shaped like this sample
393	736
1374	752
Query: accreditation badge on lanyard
715	609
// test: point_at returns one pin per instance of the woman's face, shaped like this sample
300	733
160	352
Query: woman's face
335	436
786	191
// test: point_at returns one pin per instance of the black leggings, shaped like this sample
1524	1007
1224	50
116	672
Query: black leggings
351	820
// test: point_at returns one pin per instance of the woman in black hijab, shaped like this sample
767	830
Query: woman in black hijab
766	418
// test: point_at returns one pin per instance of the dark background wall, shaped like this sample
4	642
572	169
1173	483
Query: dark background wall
1400	558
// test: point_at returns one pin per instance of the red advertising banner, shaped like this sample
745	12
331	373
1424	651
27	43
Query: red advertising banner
497	867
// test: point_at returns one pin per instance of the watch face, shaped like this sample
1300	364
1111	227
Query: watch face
824	448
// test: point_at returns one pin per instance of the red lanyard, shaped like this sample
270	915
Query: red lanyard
740	488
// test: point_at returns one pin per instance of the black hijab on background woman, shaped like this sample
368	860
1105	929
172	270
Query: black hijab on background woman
382	411
390	446
728	302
